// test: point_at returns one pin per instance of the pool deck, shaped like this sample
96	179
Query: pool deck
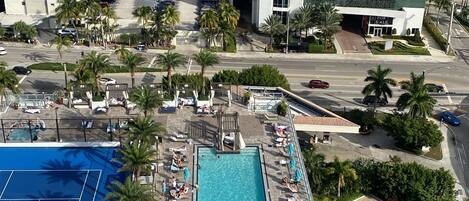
203	128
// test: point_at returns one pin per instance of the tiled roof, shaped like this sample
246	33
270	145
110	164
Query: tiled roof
329	121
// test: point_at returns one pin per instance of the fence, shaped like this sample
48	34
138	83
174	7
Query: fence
63	130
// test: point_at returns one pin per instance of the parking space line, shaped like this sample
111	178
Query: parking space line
445	89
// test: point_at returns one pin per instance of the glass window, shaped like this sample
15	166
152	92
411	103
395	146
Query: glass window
414	30
282	15
381	20
281	3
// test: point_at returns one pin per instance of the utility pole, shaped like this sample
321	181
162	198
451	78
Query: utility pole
288	30
448	46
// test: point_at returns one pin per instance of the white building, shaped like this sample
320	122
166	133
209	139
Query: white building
376	17
30	7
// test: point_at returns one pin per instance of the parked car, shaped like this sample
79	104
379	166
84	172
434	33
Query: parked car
370	99
107	81
21	70
68	31
318	84
3	51
449	118
434	88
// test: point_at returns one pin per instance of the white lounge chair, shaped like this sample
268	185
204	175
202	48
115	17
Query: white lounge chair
281	139
177	139
178	149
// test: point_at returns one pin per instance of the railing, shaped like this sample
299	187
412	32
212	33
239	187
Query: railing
62	130
300	157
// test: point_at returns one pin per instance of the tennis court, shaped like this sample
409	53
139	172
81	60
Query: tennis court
56	174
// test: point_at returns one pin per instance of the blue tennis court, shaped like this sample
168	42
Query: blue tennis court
56	174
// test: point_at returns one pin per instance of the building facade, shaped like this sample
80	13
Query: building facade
30	7
378	17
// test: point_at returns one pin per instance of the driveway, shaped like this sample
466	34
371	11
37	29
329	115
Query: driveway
351	42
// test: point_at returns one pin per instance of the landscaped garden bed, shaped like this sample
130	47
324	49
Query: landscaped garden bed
52	66
398	48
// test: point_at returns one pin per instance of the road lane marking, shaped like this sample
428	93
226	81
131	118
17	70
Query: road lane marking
445	89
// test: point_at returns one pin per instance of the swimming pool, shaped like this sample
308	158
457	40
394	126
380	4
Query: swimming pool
57	173
226	177
22	134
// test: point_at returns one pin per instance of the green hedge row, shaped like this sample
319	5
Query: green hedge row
463	21
52	66
435	32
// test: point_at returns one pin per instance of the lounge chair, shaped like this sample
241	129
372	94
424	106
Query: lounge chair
181	136
281	139
177	139
292	187
281	145
178	149
282	162
271	117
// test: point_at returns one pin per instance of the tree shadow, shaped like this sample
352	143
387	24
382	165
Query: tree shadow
65	176
36	56
45	86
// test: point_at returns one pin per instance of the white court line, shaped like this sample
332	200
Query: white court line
97	184
6	184
82	170
84	183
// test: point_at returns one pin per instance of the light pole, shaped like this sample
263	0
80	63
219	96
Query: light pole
449	28
288	30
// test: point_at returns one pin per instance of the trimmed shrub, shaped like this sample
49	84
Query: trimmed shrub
263	75
315	48
194	81
71	67
282	108
227	77
435	32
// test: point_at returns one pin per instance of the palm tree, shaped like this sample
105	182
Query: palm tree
416	99
122	53
169	61
301	20
205	59
442	4
61	43
107	14
171	16
146	99
135	158
342	170
67	11
8	81
315	166
96	63
379	84
145	130
129	191
229	17
209	22
329	22
144	14
82	77
273	26
132	61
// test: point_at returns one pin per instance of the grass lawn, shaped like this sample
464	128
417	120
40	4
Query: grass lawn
397	49
71	67
435	153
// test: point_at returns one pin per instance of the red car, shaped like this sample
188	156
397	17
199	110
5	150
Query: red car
318	84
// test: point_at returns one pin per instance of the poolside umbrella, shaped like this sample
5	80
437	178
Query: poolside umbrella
291	149
298	175
292	163
187	174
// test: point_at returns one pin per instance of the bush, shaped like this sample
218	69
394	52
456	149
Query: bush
413	133
194	81
125	39
52	66
231	45
404	181
282	108
435	32
315	48
226	77
265	75
363	118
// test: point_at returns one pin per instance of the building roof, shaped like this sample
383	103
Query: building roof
329	121
383	4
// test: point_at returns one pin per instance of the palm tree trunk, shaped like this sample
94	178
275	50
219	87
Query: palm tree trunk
271	38
132	75
203	79
169	78
438	16
338	187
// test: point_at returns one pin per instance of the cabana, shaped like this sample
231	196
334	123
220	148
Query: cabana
81	96
222	93
117	95
185	96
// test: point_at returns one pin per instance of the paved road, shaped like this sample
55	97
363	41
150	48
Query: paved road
460	143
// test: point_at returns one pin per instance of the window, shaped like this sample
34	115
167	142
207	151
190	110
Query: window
281	3
415	30
282	15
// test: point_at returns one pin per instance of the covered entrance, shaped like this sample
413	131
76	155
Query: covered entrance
351	37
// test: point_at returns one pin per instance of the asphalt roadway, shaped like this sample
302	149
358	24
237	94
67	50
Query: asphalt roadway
345	78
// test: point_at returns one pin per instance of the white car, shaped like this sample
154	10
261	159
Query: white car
107	81
68	31
3	51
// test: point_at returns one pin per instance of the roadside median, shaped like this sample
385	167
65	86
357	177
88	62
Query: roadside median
54	66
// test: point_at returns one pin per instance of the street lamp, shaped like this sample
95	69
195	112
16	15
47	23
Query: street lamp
448	39
288	30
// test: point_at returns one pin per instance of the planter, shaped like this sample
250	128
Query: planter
96	104
203	103
169	103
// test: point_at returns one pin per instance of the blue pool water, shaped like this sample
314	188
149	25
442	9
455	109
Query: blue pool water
59	173
226	177
22	134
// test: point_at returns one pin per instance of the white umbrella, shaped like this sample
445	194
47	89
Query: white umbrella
240	141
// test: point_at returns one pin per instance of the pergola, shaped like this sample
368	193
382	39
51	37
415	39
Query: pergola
222	93
81	95
117	94
228	126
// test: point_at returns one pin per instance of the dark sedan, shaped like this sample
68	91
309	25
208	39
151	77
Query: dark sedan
21	70
318	84
434	88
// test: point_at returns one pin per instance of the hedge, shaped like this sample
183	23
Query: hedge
435	32
52	66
